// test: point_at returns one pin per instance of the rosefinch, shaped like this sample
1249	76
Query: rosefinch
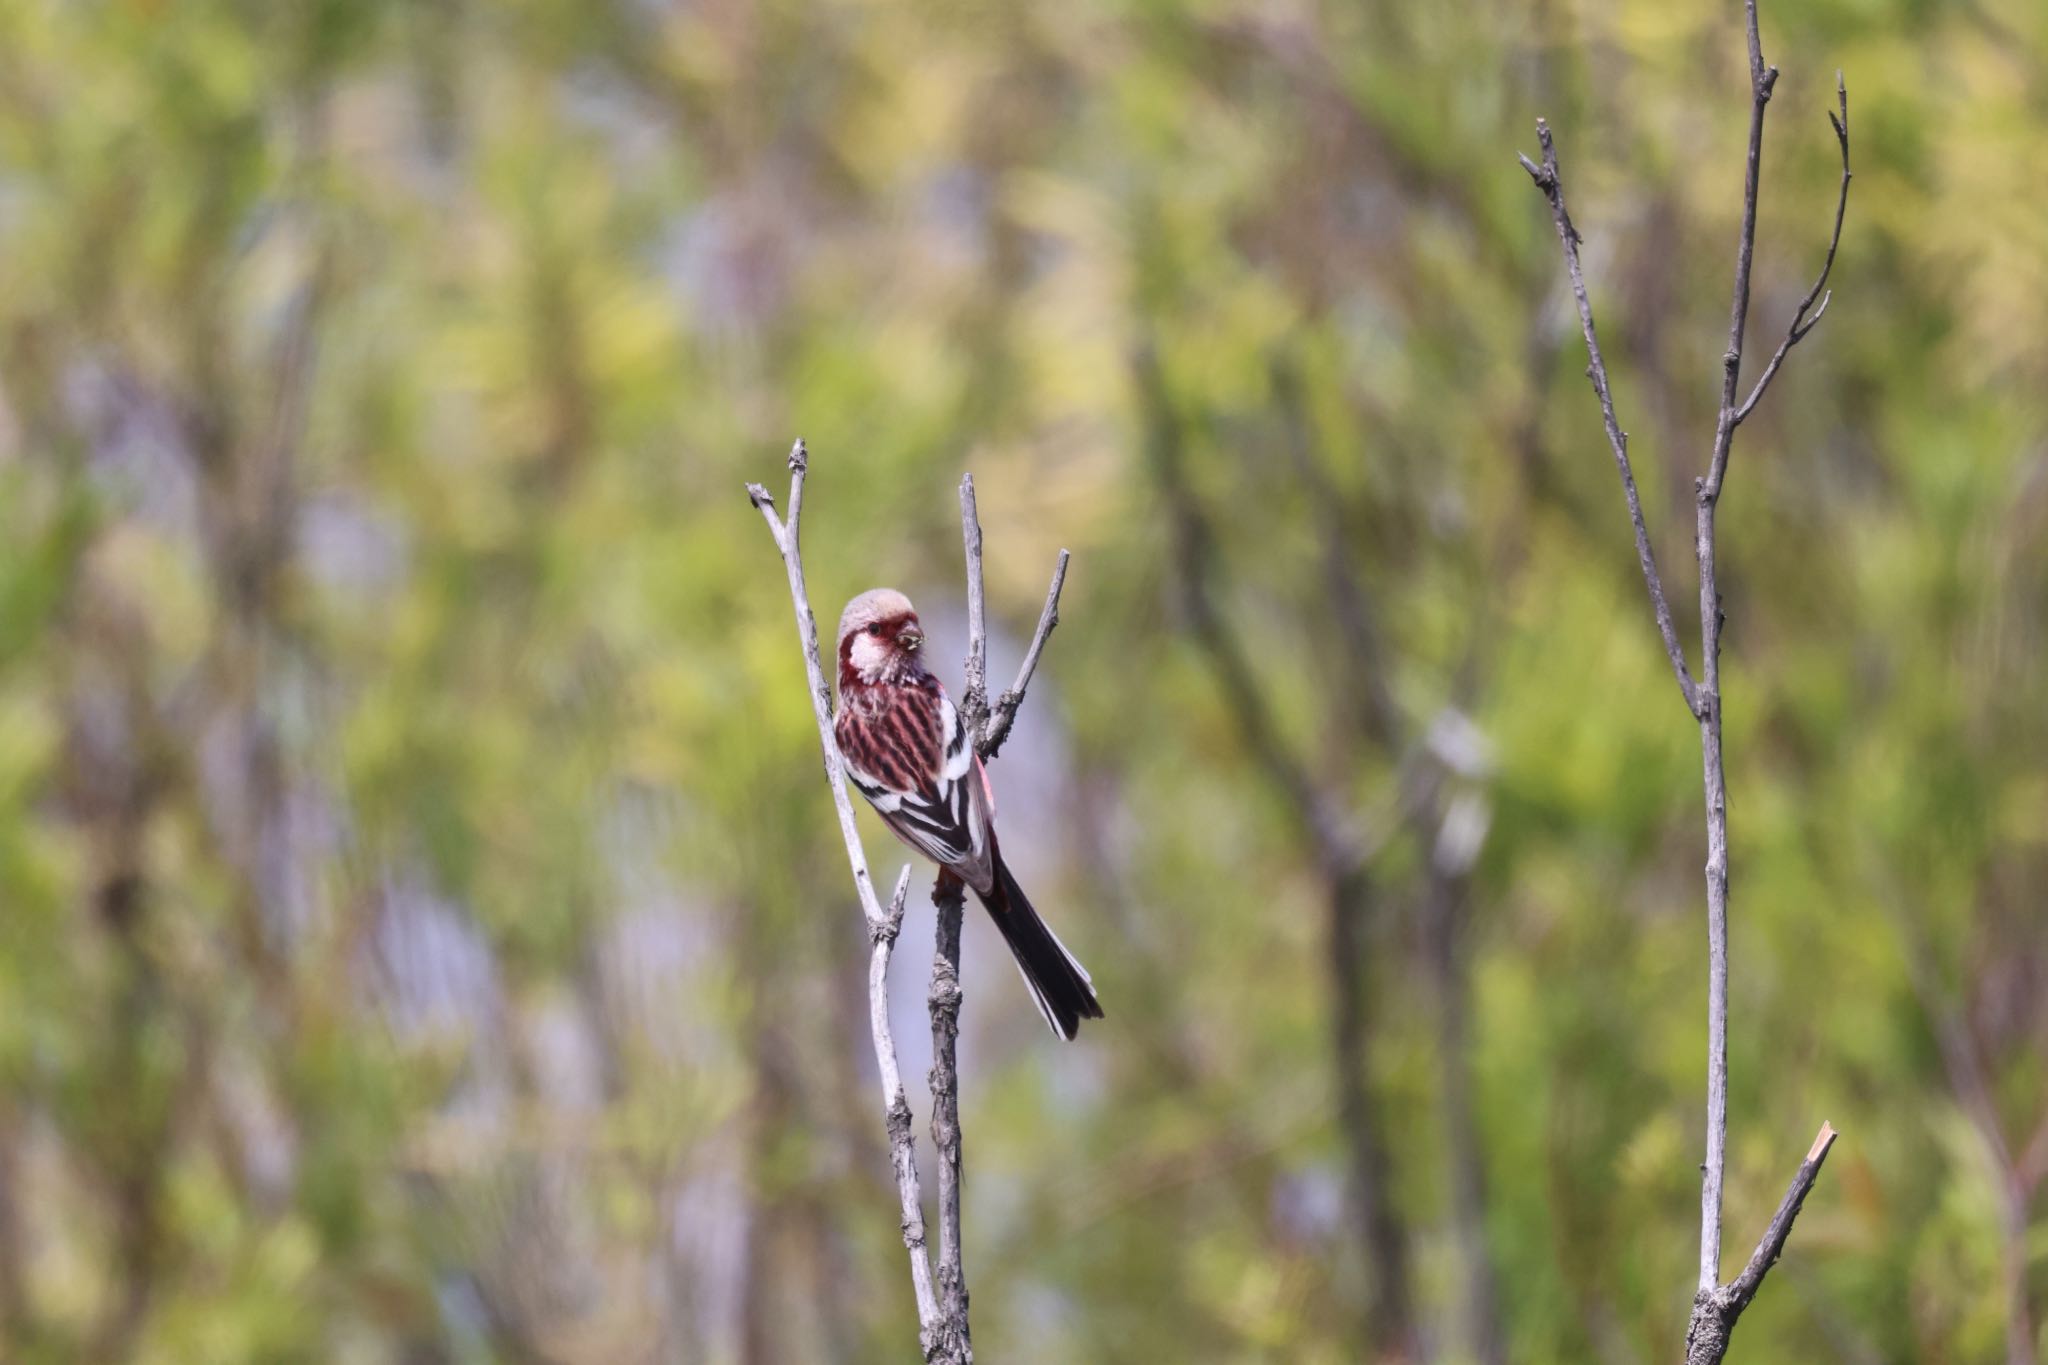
910	756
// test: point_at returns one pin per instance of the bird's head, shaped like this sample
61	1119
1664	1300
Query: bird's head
879	637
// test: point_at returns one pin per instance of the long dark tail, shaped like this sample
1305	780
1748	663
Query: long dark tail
1058	982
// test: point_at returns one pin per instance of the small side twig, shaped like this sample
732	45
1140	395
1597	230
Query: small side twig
882	926
1547	180
990	726
1801	323
1715	1310
1004	714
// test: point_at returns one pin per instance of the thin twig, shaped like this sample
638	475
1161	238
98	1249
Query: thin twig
1772	1244
1762	80
1801	323
990	726
882	927
974	702
1716	1308
1005	713
1548	181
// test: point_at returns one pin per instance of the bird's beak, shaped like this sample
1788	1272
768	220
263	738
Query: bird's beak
910	638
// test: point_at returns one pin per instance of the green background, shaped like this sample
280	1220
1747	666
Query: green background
423	932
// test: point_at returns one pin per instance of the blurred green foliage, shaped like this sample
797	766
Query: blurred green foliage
425	936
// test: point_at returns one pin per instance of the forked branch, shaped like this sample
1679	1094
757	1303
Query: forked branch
882	925
1717	1306
1816	300
990	726
941	1301
1715	1311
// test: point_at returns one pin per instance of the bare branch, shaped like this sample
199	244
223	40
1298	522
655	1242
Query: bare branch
1762	79
990	727
944	995
1716	1306
1547	180
1801	323
1772	1244
1716	1309
1005	714
974	702
948	895
882	927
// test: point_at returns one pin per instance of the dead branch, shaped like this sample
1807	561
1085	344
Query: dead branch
1716	1306
882	926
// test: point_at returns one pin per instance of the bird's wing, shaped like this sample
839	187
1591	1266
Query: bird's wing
912	760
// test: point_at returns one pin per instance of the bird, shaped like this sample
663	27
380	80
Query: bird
906	750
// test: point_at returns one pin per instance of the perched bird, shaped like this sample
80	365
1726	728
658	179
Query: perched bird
907	751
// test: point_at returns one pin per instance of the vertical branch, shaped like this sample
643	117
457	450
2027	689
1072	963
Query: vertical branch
1715	1306
948	896
882	926
1761	80
1389	1307
941	1305
896	1118
974	695
944	996
988	730
990	725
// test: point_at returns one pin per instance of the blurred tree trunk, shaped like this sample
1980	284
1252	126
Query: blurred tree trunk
1443	924
1388	1327
1389	1306
112	791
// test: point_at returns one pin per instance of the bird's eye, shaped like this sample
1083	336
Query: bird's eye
874	630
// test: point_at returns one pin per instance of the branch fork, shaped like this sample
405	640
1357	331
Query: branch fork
1716	1306
942	1298
1714	1311
990	726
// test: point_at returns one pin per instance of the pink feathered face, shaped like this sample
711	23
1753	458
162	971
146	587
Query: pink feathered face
876	648
878	635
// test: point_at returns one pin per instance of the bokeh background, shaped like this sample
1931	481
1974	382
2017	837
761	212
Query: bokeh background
423	932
